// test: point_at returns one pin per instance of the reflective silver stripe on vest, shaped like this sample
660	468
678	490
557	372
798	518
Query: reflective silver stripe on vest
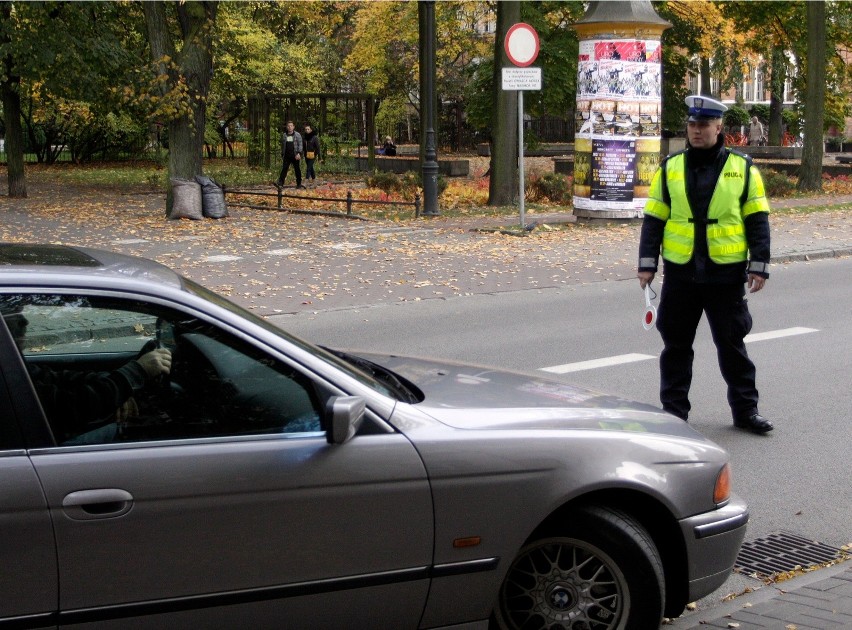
647	262
758	267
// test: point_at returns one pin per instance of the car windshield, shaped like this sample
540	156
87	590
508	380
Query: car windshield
343	365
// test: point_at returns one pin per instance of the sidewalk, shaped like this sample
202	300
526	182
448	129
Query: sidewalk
286	263
790	242
814	601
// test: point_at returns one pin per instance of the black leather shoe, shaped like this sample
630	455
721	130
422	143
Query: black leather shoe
754	423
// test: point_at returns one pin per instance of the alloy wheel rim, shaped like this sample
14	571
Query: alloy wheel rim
563	584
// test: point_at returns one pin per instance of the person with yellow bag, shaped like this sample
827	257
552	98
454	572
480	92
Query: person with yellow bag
312	152
707	213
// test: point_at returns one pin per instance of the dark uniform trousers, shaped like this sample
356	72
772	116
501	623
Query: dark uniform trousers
681	305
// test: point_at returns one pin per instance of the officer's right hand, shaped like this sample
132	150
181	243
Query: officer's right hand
645	278
156	362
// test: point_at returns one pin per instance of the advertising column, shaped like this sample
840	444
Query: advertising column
617	120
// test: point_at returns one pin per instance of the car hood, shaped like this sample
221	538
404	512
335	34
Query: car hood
465	396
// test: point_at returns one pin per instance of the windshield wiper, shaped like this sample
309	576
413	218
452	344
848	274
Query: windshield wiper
404	389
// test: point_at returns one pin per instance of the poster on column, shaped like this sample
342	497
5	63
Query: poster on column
617	123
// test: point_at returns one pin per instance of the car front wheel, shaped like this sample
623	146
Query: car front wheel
601	571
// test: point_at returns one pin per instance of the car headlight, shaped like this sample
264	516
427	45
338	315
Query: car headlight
722	490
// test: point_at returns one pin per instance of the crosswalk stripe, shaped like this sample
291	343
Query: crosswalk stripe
775	334
597	363
287	251
634	357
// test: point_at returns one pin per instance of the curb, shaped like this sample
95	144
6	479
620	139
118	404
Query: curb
813	254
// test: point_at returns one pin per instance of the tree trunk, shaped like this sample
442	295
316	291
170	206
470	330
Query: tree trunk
778	74
504	120
810	173
14	137
195	66
11	97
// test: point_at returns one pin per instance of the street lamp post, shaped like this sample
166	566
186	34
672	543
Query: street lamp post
429	166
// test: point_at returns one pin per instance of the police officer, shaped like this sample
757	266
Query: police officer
708	214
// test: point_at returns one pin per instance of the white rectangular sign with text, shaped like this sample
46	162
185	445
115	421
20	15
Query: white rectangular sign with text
521	78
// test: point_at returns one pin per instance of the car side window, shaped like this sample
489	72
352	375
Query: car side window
115	371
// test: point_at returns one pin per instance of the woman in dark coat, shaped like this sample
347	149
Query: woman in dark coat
312	152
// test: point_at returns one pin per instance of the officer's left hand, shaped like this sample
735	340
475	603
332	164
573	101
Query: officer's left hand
755	282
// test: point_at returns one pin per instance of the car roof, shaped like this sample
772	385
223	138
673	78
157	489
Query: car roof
65	264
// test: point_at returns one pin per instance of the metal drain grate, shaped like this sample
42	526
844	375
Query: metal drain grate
782	551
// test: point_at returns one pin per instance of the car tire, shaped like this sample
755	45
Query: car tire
600	570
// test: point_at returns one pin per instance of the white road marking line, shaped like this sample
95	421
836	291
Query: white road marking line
346	246
632	358
775	334
281	252
130	241
222	258
597	363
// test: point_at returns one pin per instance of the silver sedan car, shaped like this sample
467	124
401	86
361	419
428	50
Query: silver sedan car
170	460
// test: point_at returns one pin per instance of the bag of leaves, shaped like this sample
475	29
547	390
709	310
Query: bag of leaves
186	199
213	204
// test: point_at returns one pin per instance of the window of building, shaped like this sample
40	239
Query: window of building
759	88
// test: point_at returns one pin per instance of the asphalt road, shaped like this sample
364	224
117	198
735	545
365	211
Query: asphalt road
795	479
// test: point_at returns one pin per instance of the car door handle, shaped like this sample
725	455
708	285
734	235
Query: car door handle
85	505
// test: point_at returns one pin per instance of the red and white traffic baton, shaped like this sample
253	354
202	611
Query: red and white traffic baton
650	309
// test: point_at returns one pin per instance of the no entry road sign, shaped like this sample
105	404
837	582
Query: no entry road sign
521	44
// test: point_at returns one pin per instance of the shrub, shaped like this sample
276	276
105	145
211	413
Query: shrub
834	142
531	140
777	184
792	121
549	186
761	111
410	182
736	117
385	180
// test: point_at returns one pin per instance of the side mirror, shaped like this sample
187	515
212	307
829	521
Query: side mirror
343	417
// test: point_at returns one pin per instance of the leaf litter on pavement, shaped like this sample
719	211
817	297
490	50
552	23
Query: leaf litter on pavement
305	261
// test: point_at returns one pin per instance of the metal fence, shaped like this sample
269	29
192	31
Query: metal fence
344	126
143	151
349	202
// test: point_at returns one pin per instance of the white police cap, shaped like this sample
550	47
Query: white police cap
704	108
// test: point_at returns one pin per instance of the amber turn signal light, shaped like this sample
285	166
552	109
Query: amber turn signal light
722	491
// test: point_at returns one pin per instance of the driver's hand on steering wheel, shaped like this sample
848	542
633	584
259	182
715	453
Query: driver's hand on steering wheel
156	362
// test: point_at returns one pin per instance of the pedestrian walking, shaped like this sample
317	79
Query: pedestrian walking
292	148
312	152
756	136
225	134
708	214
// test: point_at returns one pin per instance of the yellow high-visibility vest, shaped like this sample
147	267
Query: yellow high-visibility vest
726	239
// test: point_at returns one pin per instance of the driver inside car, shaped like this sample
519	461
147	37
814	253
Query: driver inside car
87	407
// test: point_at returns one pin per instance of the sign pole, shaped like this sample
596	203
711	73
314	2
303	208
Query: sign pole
521	155
522	49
